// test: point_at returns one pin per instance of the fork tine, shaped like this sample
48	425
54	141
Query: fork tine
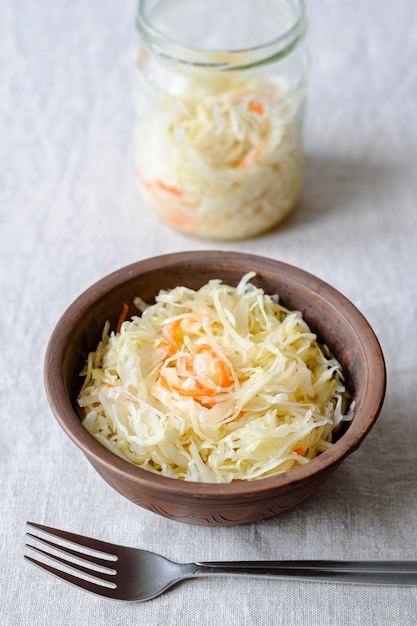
87	542
108	576
95	560
108	592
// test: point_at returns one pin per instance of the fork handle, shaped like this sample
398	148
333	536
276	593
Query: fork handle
365	572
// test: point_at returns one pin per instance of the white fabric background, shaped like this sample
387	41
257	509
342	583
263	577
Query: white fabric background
70	213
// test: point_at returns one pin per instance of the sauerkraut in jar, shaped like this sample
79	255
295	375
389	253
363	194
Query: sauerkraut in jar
220	112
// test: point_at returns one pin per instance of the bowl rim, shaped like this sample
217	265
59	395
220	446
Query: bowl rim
98	454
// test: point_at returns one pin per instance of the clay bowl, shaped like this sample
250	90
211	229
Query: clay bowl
335	320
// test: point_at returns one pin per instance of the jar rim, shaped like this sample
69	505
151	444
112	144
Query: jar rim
241	58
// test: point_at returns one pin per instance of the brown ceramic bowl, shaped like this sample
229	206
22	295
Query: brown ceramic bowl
335	320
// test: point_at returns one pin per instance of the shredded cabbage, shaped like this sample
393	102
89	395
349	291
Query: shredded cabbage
216	385
222	156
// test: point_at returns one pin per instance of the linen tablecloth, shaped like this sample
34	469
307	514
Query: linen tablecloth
70	213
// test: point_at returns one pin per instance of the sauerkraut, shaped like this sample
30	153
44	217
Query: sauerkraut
214	385
221	156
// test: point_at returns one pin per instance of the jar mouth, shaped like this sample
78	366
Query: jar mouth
241	58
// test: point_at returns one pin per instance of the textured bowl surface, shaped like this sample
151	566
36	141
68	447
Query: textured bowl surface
335	320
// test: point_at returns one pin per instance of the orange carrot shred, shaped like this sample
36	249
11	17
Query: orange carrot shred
196	392
252	156
166	348
175	332
176	191
257	107
220	365
256	152
177	220
122	317
171	189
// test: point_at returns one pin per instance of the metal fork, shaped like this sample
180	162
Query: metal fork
136	575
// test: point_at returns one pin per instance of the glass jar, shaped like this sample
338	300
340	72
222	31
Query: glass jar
220	104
